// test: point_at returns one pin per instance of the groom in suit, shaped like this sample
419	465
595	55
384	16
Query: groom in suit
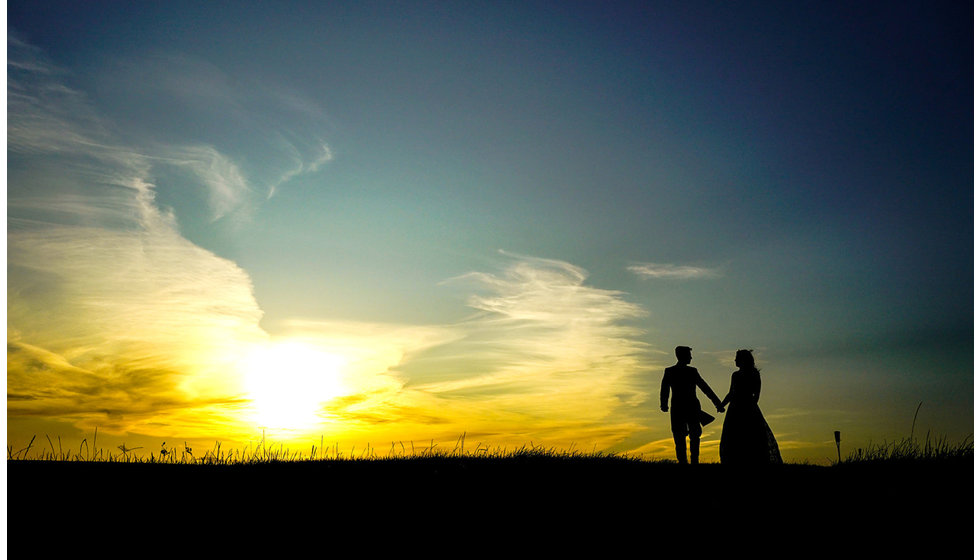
685	409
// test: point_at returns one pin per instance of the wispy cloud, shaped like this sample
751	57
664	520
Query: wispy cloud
318	154
274	134
672	271
44	114
545	357
83	160
226	186
256	138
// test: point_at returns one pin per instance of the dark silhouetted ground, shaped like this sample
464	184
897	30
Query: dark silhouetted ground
493	506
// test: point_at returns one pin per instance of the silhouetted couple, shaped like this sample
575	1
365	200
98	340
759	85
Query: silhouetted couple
745	437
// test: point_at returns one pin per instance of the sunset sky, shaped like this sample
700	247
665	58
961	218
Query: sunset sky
378	222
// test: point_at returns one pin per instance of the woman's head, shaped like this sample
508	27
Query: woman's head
744	359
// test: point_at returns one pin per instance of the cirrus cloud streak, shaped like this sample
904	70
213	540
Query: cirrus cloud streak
672	271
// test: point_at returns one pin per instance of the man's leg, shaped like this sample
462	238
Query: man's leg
695	430
680	444
679	429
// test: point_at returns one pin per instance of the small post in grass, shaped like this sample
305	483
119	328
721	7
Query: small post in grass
837	441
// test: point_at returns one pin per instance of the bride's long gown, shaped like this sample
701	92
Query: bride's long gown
746	438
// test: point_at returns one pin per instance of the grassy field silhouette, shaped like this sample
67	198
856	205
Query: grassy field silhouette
918	495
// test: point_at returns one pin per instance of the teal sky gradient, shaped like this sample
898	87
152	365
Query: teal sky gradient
790	177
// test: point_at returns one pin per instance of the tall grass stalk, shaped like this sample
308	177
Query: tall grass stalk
910	449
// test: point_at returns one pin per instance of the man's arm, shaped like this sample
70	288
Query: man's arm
664	392
707	391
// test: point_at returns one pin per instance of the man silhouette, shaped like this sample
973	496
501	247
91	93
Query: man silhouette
685	409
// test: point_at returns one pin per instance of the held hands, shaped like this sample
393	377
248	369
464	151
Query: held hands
720	408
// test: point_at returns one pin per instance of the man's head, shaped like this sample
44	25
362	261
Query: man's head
683	354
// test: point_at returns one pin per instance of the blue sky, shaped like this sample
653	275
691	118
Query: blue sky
513	210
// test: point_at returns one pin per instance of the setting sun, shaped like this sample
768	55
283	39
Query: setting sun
289	381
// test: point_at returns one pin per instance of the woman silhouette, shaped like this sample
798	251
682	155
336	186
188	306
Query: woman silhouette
745	437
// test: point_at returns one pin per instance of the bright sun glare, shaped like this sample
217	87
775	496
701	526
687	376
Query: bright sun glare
289	381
